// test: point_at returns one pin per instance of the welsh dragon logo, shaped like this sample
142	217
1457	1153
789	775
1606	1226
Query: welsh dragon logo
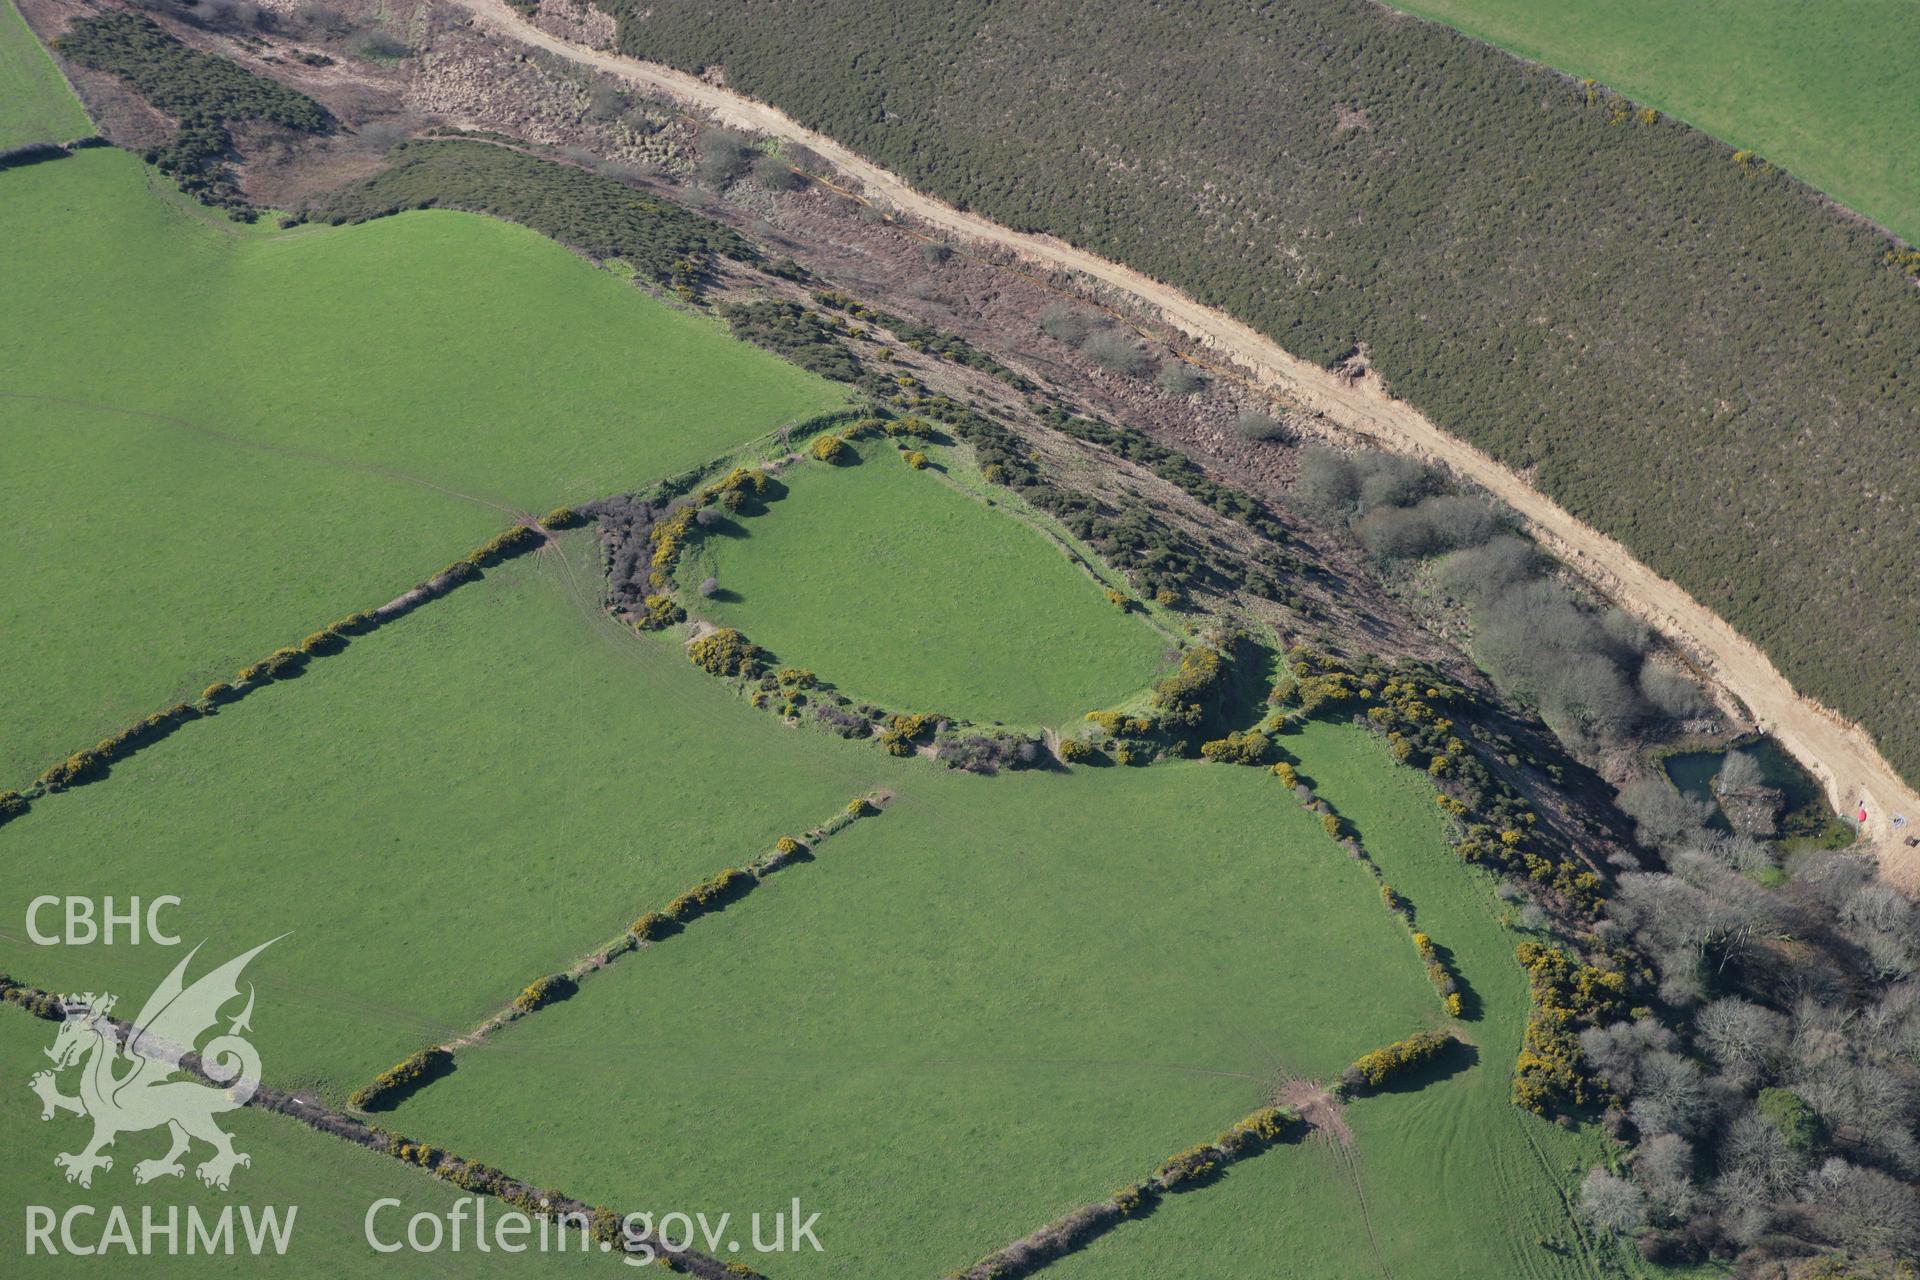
131	1086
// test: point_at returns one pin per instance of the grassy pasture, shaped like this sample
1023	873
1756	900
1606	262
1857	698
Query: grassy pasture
1829	92
906	591
331	1182
459	803
998	1000
36	105
238	434
1457	1183
120	604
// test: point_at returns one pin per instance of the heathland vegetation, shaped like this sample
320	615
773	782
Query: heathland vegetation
933	1026
927	1025
596	215
203	92
1829	93
877	575
365	483
1687	348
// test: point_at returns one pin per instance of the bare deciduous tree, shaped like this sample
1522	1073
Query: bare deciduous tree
1611	1203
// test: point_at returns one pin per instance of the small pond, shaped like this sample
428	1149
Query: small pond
1807	814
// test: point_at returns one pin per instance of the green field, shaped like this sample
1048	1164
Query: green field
1448	1182
236	435
998	1000
459	803
35	103
906	591
330	1183
1647	328
1829	92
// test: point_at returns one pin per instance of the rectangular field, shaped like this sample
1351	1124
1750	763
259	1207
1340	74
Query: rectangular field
1450	1182
231	436
458	804
996	1001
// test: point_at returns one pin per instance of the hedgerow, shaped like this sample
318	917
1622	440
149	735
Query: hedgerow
653	926
659	611
901	733
1568	996
743	489
787	851
40	1004
710	895
987	751
505	545
1243	746
1371	1070
1191	696
1259	1130
32	153
400	1081
90	762
1477	303
838	720
1445	981
1407	705
1116	724
1189	1168
542	992
726	652
830	448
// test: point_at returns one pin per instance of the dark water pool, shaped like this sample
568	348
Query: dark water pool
1692	772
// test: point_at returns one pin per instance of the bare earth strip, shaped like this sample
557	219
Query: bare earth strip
1839	753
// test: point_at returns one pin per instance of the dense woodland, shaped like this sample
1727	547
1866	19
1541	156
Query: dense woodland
1744	1016
1697	354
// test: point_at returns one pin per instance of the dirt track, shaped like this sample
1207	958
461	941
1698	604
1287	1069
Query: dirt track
1837	752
